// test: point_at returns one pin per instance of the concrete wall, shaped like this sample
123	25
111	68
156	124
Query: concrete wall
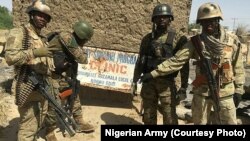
118	24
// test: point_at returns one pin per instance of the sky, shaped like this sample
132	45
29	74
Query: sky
6	3
235	12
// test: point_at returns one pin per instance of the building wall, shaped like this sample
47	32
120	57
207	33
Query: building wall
118	24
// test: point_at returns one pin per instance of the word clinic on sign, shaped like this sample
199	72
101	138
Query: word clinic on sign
108	69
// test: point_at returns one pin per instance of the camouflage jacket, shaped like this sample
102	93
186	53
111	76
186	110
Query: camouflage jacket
66	40
232	76
71	45
145	52
16	54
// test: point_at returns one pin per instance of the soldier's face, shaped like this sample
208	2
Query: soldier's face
40	19
79	41
210	26
162	21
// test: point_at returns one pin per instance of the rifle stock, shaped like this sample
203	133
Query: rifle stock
63	117
212	84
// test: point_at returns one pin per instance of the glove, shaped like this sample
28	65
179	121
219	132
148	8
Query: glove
133	88
146	77
237	98
45	51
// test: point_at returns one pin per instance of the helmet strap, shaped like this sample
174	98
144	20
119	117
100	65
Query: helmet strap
153	30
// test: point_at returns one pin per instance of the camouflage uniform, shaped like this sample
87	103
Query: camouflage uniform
232	76
71	50
27	50
162	88
33	111
59	81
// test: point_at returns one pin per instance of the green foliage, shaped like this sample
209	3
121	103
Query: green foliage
193	26
6	20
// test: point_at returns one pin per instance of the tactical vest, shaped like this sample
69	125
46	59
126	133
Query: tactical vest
224	68
160	50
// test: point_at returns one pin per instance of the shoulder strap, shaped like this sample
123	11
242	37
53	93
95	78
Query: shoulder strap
183	40
236	55
51	35
171	36
197	44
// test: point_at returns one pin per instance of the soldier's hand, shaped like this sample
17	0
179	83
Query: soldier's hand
45	51
237	98
133	92
133	88
146	77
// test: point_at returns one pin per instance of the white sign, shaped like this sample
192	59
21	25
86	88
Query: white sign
108	69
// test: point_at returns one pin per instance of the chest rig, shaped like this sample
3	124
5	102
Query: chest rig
222	67
160	49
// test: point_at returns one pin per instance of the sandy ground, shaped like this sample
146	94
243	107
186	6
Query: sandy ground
98	110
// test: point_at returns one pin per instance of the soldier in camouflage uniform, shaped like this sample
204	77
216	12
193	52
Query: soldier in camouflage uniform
226	58
27	51
70	45
155	48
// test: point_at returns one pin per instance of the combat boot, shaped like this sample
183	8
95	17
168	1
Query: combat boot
83	126
49	134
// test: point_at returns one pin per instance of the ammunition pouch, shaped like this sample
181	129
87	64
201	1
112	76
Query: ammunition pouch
152	63
227	75
157	49
161	50
225	72
199	80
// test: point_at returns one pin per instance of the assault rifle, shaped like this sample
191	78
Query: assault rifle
74	85
206	65
63	117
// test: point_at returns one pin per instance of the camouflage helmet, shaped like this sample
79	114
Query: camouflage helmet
162	9
209	10
40	6
83	30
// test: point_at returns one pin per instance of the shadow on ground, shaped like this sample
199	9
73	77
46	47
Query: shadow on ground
9	133
112	119
105	98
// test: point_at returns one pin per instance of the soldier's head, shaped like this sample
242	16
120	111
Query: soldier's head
39	14
162	15
83	32
209	16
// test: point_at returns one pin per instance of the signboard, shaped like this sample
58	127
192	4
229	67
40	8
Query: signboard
108	69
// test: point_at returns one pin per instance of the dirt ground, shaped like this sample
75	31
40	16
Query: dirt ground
98	109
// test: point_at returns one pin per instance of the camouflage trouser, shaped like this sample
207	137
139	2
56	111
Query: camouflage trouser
59	84
32	115
202	106
154	90
76	110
